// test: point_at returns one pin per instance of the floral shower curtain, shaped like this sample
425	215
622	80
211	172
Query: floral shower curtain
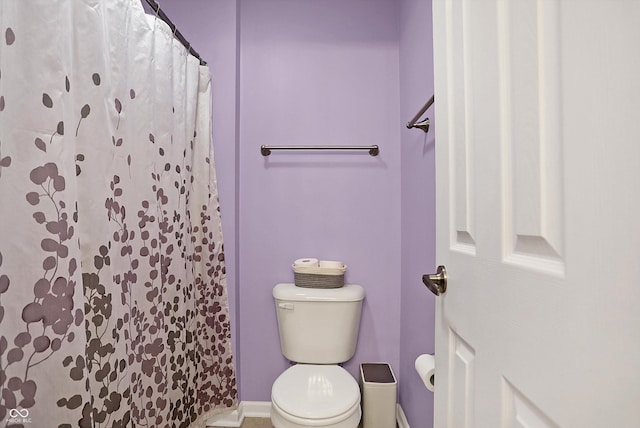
113	307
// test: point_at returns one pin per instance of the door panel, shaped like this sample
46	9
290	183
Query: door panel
538	213
519	412
529	47
462	166
462	382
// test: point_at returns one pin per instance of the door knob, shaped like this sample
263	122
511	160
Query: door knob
437	282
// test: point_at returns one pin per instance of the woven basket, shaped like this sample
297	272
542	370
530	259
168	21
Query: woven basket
312	280
317	277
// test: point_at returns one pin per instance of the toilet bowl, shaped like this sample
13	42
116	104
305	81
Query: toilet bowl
312	395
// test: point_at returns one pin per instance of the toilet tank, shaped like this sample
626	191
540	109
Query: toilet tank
318	325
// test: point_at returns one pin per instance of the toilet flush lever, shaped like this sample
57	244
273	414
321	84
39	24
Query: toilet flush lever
288	306
436	283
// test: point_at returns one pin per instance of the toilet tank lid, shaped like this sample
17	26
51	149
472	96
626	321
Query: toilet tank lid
290	292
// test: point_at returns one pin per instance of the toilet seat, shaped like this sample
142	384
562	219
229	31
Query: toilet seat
316	395
282	419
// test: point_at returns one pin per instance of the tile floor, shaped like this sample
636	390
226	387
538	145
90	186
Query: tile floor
256	423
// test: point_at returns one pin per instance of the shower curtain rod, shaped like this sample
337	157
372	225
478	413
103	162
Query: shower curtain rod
160	13
424	124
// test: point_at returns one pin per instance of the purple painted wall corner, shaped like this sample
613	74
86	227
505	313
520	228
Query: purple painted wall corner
417	322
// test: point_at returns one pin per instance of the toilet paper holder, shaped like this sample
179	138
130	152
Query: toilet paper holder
425	366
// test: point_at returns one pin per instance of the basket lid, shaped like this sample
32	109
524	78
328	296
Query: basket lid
316	270
290	292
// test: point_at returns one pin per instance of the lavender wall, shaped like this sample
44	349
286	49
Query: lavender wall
417	207
322	72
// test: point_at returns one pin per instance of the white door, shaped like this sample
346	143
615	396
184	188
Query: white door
538	213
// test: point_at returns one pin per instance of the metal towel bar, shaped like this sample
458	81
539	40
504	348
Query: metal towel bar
424	124
266	150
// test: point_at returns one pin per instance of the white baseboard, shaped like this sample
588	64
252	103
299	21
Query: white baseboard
231	419
262	409
246	409
401	418
256	409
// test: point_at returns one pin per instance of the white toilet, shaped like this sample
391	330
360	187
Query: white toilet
318	330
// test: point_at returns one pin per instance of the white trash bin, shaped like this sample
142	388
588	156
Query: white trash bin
379	395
